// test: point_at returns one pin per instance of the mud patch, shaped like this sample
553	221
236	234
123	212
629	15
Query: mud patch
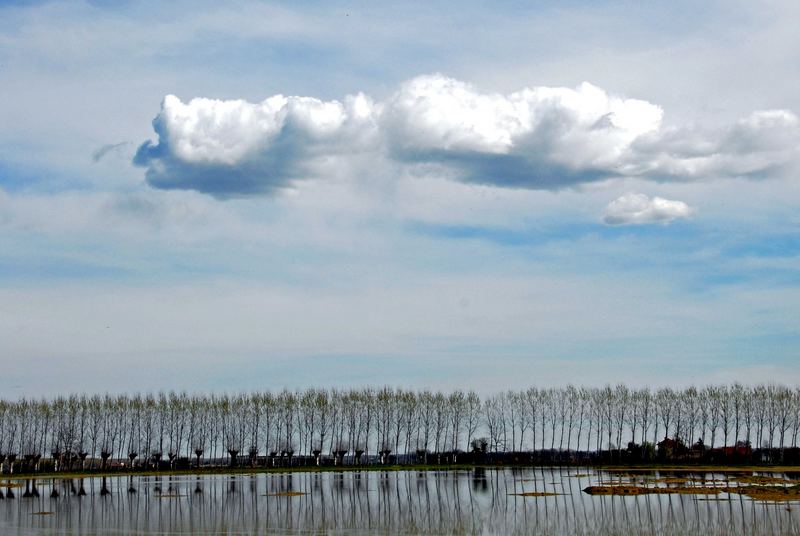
760	479
645	490
768	493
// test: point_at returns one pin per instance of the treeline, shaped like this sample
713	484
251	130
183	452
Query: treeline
368	426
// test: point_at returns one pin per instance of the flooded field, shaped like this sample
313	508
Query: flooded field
504	501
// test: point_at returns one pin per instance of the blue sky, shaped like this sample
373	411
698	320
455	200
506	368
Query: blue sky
423	195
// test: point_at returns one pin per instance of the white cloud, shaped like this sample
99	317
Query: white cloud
235	147
641	209
764	143
227	132
545	137
535	138
439	113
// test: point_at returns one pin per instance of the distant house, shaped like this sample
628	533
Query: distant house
738	450
668	447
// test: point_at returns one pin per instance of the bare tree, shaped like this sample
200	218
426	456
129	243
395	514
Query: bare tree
142	429
472	411
665	402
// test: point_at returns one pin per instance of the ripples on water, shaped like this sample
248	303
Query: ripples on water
409	502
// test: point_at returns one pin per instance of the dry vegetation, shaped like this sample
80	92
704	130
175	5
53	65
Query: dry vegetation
768	493
760	479
756	487
617	489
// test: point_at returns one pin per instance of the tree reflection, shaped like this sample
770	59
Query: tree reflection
462	502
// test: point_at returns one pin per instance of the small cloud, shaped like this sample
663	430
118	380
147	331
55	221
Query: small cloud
100	152
638	209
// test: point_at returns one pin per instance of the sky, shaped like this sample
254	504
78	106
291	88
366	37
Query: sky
223	197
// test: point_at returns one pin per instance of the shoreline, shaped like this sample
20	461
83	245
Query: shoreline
397	468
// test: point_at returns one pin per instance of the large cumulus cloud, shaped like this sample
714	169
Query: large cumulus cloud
536	138
238	148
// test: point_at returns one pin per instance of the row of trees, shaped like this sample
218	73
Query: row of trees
368	425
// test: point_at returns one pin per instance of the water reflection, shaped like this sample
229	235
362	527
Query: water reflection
480	501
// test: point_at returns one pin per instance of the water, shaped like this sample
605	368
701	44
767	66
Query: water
405	502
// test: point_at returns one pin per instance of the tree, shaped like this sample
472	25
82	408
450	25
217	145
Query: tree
472	409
